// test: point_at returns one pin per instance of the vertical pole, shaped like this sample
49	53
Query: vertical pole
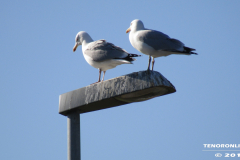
73	135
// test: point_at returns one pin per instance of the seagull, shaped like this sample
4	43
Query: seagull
155	43
102	54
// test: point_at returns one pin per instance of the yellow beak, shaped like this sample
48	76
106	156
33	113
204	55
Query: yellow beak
128	30
75	47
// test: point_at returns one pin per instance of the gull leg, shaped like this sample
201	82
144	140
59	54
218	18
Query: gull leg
149	61
153	61
103	75
100	71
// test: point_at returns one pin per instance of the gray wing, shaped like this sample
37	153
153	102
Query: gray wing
160	41
101	50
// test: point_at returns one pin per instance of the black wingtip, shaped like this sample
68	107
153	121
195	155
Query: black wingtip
134	55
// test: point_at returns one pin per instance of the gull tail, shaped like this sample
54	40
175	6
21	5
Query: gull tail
188	51
130	57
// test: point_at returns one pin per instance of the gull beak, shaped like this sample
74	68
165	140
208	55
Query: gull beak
75	47
128	30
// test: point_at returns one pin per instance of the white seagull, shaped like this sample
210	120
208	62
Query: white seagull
102	54
154	43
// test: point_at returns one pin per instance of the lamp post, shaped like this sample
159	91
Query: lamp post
134	87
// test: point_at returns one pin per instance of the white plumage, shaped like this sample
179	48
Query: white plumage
102	54
154	43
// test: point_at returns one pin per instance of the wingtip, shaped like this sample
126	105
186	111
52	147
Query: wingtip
134	55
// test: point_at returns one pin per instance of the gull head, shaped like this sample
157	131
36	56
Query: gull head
80	38
135	25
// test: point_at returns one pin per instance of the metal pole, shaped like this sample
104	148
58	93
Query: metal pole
73	135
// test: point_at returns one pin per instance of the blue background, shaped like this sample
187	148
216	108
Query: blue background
37	65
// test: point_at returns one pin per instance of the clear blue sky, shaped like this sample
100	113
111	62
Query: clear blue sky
37	65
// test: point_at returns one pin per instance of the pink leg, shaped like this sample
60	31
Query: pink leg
103	75
149	61
100	71
153	61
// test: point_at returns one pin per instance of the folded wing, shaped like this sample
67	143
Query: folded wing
102	50
160	41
